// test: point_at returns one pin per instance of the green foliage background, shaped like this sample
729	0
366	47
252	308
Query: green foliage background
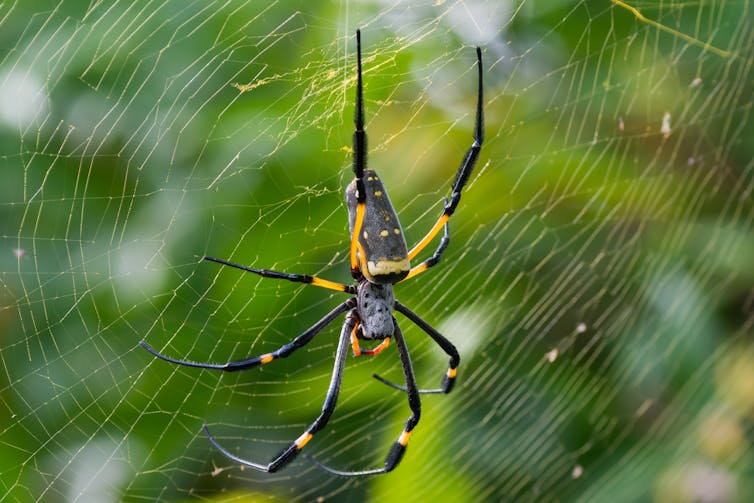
598	282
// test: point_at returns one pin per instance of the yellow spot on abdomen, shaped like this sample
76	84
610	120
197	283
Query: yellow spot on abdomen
377	193
403	439
384	233
452	373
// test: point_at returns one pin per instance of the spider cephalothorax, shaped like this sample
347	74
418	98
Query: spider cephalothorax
379	259
374	305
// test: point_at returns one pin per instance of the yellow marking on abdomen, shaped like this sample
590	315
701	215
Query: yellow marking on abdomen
303	440
452	372
362	257
359	221
388	266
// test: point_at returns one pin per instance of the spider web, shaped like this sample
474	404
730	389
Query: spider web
598	283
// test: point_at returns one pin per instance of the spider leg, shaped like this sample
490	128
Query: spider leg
435	258
357	351
254	361
296	278
464	172
359	163
398	448
291	451
449	378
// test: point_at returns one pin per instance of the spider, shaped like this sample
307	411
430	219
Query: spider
379	259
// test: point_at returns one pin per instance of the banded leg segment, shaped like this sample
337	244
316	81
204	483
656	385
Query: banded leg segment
434	259
449	379
296	278
255	361
291	451
398	449
464	172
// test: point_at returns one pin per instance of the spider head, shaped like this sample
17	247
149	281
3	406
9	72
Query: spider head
374	304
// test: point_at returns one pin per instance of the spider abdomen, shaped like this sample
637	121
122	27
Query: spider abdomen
375	303
381	239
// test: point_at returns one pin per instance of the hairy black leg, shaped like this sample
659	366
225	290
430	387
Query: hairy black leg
291	451
398	448
464	171
254	361
449	378
296	278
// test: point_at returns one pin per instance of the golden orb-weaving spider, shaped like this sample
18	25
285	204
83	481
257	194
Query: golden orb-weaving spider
379	259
